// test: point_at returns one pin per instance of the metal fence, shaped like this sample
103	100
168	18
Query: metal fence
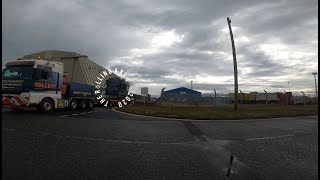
222	97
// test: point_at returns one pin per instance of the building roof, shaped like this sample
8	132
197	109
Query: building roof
53	54
177	90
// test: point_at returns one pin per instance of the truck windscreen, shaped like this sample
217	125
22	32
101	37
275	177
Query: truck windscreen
17	72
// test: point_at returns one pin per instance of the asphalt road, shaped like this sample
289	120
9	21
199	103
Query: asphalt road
103	144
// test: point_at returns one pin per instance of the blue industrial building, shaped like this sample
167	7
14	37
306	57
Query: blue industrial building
182	95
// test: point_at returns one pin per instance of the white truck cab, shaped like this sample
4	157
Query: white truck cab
38	84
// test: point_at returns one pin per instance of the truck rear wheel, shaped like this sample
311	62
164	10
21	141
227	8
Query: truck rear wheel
46	105
73	105
83	104
90	104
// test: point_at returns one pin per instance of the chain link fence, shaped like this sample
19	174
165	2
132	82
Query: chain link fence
223	96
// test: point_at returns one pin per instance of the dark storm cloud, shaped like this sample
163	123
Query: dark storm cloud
71	26
109	31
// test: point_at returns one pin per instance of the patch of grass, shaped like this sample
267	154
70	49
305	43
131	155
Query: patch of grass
223	112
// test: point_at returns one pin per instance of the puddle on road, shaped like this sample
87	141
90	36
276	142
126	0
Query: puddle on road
218	156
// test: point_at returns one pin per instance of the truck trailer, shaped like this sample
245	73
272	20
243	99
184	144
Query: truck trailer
116	90
39	84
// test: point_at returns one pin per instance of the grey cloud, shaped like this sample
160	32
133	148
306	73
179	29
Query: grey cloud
261	64
106	31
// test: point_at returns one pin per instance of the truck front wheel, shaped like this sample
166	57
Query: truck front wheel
73	105
46	105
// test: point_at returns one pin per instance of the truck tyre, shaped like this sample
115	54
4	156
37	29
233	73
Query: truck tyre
73	105
46	105
90	104
82	104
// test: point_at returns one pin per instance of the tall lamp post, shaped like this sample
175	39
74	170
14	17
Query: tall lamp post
266	96
235	67
286	96
304	103
315	83
215	97
241	96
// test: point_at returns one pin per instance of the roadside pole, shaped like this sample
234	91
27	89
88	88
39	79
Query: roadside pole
144	91
266	96
286	97
304	102
241	96
315	83
215	98
235	67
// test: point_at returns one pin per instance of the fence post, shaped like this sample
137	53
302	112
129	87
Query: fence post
266	96
215	97
304	103
241	96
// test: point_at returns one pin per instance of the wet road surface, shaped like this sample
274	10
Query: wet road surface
102	144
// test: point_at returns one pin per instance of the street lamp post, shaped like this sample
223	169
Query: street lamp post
215	97
286	96
304	103
235	67
315	83
266	96
241	97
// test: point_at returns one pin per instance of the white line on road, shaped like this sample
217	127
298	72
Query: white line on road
79	113
272	137
97	139
7	129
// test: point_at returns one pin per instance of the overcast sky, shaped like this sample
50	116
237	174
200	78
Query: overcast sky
169	43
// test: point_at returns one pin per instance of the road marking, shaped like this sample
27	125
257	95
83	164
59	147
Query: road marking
97	139
209	120
271	137
79	113
7	129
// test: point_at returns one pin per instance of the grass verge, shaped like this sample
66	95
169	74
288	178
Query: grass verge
223	112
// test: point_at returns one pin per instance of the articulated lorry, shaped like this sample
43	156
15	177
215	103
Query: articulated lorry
40	84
